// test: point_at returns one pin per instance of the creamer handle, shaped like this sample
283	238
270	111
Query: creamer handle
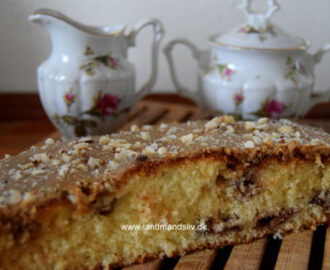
320	96
158	35
196	96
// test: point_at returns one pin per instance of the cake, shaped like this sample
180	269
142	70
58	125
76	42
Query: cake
154	191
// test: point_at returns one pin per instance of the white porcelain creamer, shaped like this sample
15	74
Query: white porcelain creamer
87	85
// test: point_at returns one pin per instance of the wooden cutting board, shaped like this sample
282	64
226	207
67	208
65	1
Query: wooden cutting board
305	250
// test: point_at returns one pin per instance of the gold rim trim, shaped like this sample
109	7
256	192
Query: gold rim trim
241	48
78	25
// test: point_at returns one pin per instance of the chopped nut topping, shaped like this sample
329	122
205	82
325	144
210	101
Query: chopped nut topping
249	144
56	162
93	162
40	158
7	156
104	140
112	165
285	129
229	130
162	151
63	170
16	176
275	135
49	141
163	126
147	127
72	198
11	196
28	166
148	151
228	119
66	158
137	145
267	139
79	147
172	130
36	171
67	164
212	124
187	139
145	136
263	120
248	125
28	197
81	167
316	142
125	154
134	128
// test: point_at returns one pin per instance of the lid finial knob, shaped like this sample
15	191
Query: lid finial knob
259	21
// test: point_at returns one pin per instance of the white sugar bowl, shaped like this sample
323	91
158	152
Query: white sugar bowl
255	70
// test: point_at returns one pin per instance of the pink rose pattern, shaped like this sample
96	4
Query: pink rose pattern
68	98
225	71
104	105
271	109
238	99
107	103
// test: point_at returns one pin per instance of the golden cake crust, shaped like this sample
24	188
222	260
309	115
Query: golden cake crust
80	170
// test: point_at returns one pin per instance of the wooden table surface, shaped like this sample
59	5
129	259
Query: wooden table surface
305	250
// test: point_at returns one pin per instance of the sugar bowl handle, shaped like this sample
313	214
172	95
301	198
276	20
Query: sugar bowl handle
158	30
199	55
320	96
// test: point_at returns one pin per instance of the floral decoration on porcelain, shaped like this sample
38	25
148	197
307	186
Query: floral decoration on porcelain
88	51
104	105
248	29
294	70
106	60
271	108
238	99
225	71
68	98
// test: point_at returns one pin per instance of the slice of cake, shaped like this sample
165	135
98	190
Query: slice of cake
114	200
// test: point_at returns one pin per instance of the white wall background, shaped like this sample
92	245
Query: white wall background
23	45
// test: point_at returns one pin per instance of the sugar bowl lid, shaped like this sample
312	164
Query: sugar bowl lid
258	33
